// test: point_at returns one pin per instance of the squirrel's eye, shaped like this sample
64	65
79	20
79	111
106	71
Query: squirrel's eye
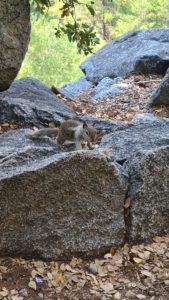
87	132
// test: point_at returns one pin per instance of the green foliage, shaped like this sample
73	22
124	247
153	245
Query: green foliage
128	15
52	61
55	61
83	34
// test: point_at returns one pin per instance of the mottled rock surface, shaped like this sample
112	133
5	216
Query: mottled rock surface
107	87
74	88
143	134
14	38
145	51
161	95
55	205
28	101
149	190
143	150
106	125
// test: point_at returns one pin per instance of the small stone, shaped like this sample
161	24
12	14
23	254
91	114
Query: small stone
93	268
151	292
167	254
166	282
104	298
23	292
117	296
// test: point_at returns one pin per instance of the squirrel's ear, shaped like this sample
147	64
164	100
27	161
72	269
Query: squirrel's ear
84	125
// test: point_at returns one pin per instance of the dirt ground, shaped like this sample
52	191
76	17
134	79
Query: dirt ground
131	272
123	107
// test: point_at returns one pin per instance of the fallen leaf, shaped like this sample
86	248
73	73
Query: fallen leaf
137	260
130	294
32	285
158	239
108	256
75	261
92	277
70	269
146	254
34	273
58	277
107	287
81	283
163	276
102	271
3	269
63	267
110	268
40	270
113	250
13	292
149	248
4	293
140	296
49	275
5	125
17	298
146	273
127	203
74	278
117	296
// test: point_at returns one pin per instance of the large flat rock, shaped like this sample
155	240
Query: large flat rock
145	51
14	38
58	205
28	101
143	134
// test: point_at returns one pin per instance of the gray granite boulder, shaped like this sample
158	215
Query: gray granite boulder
14	38
161	95
55	205
28	101
143	150
107	87
74	88
105	125
149	190
145	51
142	134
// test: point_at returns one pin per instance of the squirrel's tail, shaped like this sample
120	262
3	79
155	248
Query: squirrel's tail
51	132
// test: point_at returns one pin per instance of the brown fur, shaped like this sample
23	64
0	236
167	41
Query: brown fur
71	130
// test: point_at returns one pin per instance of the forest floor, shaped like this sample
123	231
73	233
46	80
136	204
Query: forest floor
135	99
130	272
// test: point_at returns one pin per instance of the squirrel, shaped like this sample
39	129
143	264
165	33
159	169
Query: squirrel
70	130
